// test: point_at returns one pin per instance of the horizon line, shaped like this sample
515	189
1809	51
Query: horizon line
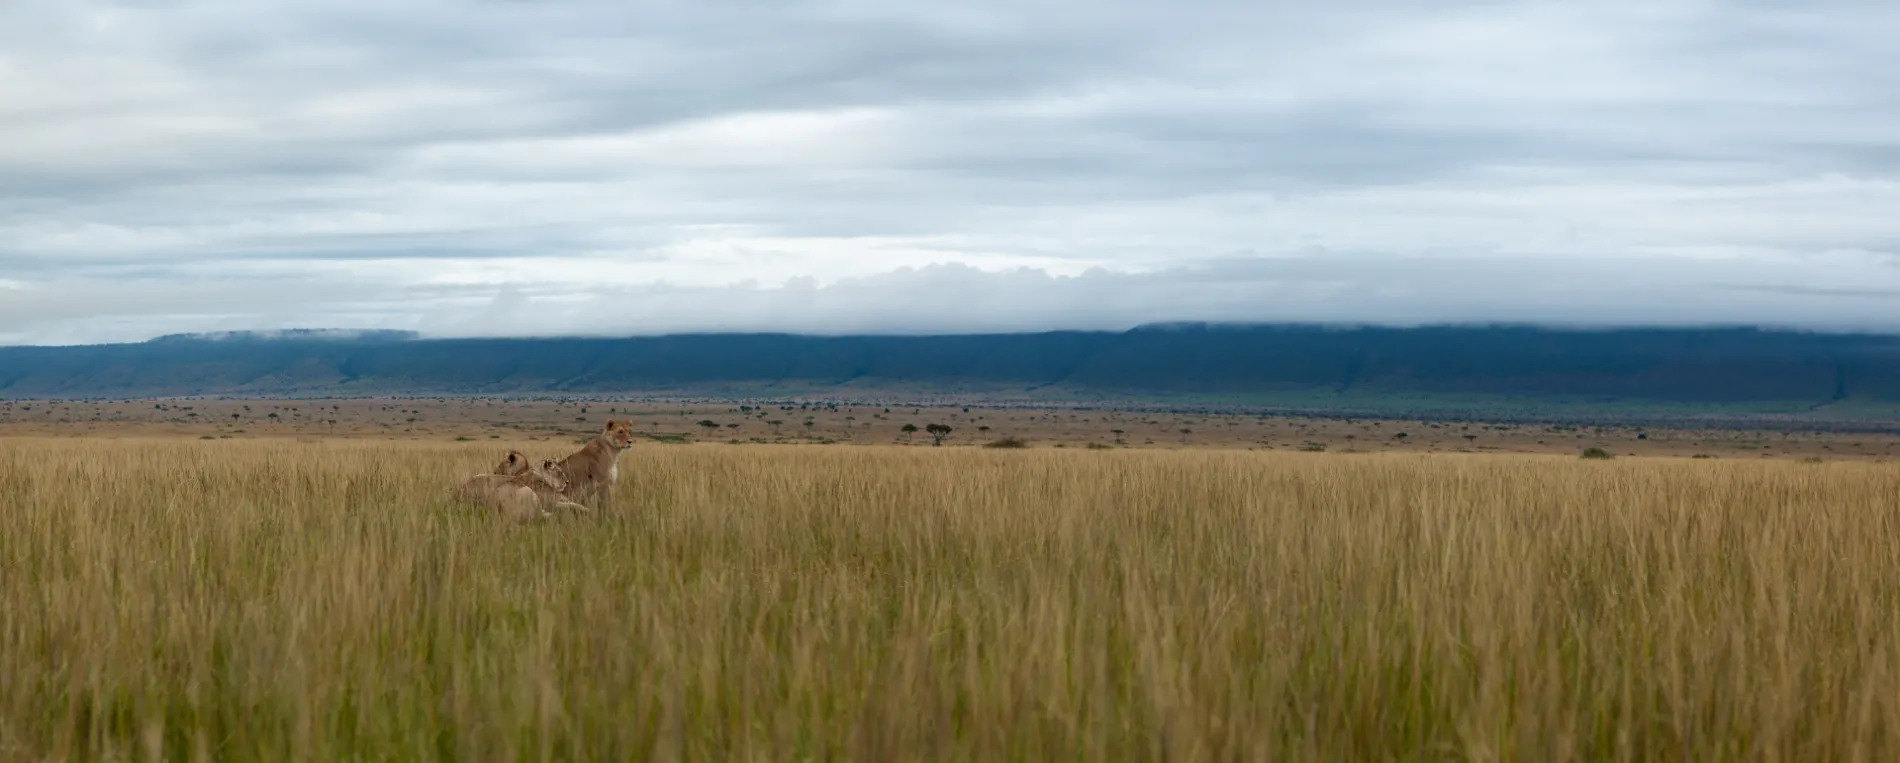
340	334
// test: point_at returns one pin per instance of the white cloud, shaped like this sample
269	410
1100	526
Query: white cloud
470	167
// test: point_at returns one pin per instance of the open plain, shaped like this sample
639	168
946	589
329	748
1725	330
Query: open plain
303	588
556	420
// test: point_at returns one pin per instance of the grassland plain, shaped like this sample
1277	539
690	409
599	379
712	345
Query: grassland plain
323	600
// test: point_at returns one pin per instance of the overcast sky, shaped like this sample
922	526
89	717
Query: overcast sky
518	167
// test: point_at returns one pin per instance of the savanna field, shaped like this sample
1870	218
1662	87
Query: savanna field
279	600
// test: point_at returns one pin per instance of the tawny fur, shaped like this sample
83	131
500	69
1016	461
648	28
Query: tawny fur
514	463
593	470
520	490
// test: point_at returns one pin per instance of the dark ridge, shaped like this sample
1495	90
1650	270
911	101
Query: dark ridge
1298	366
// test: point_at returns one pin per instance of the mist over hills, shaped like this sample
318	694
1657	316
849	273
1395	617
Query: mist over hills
1297	366
312	335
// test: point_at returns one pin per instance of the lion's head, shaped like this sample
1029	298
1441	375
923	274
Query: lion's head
619	433
551	474
514	464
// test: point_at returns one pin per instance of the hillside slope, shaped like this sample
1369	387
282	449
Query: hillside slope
1758	369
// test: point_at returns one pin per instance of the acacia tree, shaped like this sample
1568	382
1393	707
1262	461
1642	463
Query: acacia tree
937	433
908	430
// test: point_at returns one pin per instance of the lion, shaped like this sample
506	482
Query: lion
593	470
513	464
520	490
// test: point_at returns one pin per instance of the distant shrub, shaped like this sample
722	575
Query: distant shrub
1314	447
1100	446
1597	454
1007	442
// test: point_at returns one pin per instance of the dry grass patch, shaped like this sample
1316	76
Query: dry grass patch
325	601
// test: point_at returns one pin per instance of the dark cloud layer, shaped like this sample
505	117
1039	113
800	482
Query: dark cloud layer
604	167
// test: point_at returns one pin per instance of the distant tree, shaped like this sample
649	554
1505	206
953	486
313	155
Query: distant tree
1118	434
1184	434
710	425
908	430
775	423
938	432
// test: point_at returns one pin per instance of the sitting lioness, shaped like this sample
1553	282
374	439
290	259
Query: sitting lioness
592	471
519	489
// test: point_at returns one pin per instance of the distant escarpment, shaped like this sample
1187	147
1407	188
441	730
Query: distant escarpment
1297	366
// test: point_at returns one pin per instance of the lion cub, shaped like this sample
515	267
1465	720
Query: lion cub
520	489
593	470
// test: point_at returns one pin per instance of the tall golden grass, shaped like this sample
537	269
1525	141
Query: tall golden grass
325	601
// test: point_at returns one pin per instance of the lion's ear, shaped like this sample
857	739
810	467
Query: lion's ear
550	465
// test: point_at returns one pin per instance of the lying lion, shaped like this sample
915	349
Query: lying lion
520	489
